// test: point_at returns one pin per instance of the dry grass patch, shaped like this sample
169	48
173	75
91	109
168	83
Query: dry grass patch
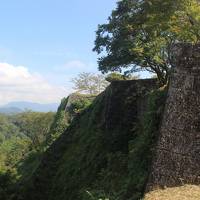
187	192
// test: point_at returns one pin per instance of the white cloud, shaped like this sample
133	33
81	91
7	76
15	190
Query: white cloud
17	83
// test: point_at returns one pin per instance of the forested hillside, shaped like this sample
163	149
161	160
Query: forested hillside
26	136
22	141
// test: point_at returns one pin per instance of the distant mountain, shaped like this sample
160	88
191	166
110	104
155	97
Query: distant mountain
10	110
20	106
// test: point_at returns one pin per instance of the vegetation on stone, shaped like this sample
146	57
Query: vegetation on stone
119	77
69	108
96	155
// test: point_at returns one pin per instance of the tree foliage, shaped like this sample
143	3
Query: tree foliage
35	126
140	33
119	77
90	83
22	139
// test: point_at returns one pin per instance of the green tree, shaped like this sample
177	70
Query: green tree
7	129
13	144
35	126
6	185
140	33
12	151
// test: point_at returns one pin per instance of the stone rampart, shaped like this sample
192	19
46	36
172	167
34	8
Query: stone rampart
177	157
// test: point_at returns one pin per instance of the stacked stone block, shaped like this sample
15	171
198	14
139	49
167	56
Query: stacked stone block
177	158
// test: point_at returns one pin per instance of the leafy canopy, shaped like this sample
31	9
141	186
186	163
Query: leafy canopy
139	35
35	126
90	83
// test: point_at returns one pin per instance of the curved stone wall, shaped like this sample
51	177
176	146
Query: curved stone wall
177	157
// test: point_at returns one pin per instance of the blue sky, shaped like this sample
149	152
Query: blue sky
49	40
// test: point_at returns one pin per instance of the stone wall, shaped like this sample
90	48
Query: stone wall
77	159
177	157
126	103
